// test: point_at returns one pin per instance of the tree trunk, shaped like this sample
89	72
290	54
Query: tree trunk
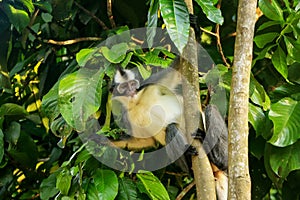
239	178
203	175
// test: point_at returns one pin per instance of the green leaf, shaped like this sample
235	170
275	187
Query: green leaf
28	4
47	17
153	186
176	18
44	5
271	10
12	109
279	62
116	54
25	152
80	96
19	18
127	189
47	188
267	25
211	12
63	181
105	185
257	118
1	145
284	160
13	132
84	55
293	48
263	39
285	115
152	21
258	94
49	105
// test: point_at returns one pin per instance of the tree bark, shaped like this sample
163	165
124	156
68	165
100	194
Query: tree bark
203	175
239	178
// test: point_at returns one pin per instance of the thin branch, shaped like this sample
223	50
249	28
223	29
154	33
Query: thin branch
110	15
99	21
219	45
185	190
73	41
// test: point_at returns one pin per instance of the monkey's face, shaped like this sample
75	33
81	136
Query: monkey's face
128	88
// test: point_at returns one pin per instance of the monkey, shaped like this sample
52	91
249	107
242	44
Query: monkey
151	111
152	114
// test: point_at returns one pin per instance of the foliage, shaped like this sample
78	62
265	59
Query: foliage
45	49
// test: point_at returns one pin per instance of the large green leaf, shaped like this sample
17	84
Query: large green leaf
279	62
284	160
176	18
19	18
152	21
127	189
211	12
271	9
285	115
104	186
154	188
80	96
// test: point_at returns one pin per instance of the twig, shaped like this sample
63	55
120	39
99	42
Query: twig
110	15
99	21
73	41
185	190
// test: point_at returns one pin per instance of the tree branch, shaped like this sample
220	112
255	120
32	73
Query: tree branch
203	175
110	15
73	41
99	21
239	178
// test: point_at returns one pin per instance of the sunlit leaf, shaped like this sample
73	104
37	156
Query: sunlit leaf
271	9
176	18
152	21
84	55
116	54
19	18
211	12
285	115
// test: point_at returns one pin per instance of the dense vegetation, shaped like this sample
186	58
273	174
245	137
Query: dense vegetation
48	58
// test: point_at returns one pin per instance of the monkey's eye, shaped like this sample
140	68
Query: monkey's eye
134	84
